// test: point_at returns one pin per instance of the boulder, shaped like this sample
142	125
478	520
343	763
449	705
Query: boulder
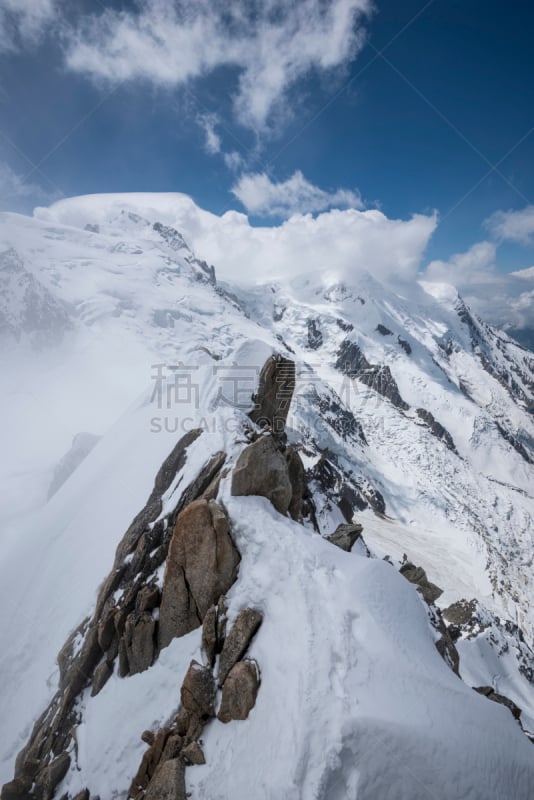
168	782
202	564
275	389
235	646
239	691
198	691
345	535
262	470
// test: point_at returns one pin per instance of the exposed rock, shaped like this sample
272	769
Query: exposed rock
261	469
214	631
83	795
198	691
194	754
315	337
107	631
405	345
275	390
168	782
102	674
201	565
247	623
491	694
460	613
383	330
209	636
17	789
382	381
436	429
297	479
51	776
345	535
345	326
148	598
148	737
350	359
239	691
338	417
417	575
139	638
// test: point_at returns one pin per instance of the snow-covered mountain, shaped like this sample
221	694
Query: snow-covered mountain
390	406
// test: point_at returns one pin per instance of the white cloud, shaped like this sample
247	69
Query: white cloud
505	300
212	140
263	197
233	160
273	44
335	245
23	21
513	226
16	194
475	266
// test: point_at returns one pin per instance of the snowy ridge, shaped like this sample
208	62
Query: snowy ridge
427	441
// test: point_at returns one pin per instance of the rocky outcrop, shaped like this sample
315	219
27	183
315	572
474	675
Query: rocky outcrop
436	429
406	346
382	381
345	536
124	627
262	470
238	640
198	691
297	480
201	565
168	782
383	330
176	746
239	692
352	362
214	631
275	390
350	359
315	337
491	694
417	575
337	416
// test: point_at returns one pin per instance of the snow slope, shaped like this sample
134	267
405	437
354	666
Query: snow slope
355	701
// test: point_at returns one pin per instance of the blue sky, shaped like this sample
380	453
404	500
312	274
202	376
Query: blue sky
404	106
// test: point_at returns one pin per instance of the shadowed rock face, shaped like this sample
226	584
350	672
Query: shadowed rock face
201	565
275	390
262	470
